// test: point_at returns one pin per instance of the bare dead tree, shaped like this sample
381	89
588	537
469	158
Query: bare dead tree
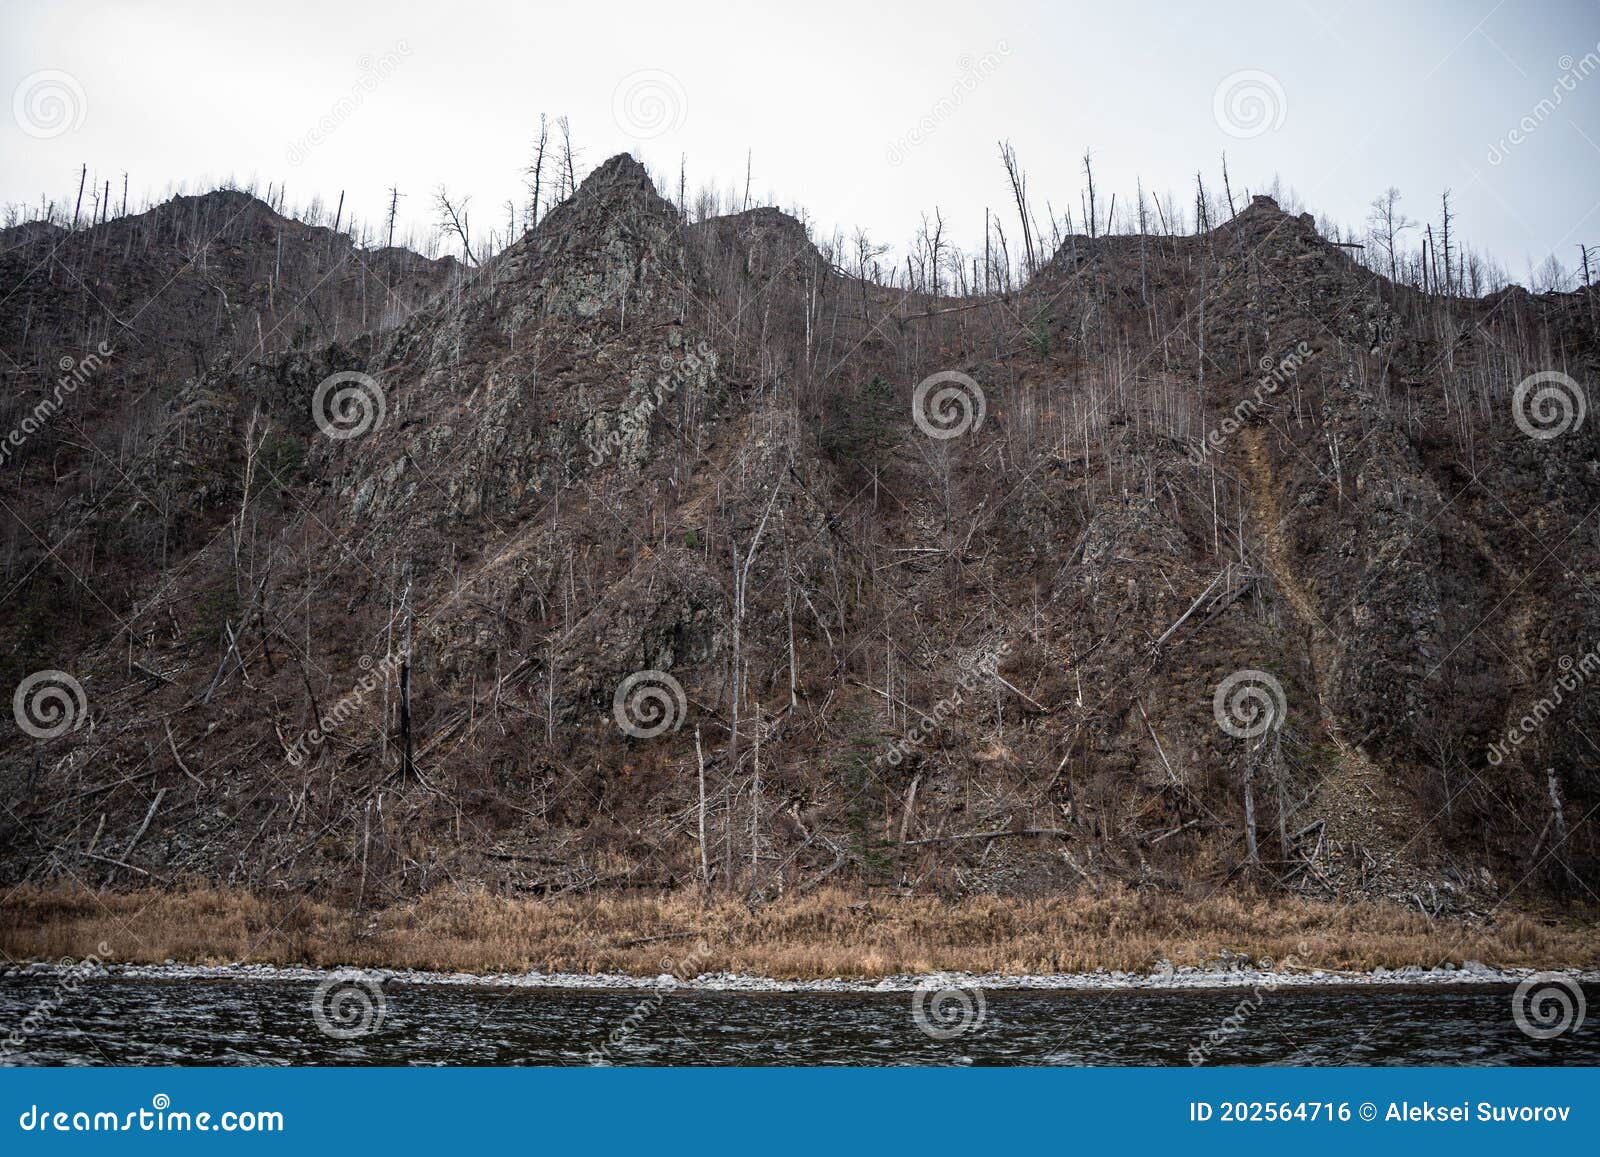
536	170
1227	187
700	758
932	242
741	585
453	219
1444	239
755	805
1144	221
407	766
986	258
394	209
1019	191
83	176
1088	176
1386	222
568	163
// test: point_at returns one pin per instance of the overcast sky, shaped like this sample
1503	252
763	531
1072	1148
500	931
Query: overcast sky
865	113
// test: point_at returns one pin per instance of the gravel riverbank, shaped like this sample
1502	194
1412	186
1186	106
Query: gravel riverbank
1226	972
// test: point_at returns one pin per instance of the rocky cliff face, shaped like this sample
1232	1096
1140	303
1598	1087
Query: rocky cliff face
655	552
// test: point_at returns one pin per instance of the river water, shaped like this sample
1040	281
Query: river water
218	1022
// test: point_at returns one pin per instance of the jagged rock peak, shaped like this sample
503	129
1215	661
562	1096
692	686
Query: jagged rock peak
618	188
614	244
620	171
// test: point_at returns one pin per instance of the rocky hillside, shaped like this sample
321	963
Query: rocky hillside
105	455
660	552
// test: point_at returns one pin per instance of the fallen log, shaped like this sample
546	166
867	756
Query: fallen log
1000	835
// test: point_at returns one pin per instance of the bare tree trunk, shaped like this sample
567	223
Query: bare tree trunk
741	580
1250	810
1558	818
406	767
78	208
1088	173
366	837
1019	190
755	811
788	614
566	154
700	757
537	168
394	206
1449	279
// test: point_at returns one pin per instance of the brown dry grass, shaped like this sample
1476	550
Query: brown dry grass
825	934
